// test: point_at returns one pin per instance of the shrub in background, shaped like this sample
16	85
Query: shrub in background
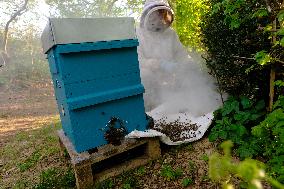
231	36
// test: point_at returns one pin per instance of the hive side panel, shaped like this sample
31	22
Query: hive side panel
92	122
99	65
59	91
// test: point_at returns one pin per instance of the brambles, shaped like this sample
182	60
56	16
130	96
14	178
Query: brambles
231	37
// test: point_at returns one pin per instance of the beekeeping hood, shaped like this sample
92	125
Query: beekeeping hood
150	18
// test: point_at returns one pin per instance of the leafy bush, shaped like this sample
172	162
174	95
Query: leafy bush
232	36
188	16
222	169
271	133
235	122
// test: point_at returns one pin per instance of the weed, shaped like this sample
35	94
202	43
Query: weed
21	184
205	157
189	147
169	173
205	178
55	178
21	136
141	171
130	183
30	162
191	165
186	182
107	184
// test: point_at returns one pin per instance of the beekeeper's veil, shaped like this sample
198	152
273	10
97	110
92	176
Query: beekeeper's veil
157	16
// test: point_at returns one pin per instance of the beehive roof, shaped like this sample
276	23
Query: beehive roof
80	30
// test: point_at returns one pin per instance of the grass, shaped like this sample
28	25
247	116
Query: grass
171	174
56	178
32	159
187	182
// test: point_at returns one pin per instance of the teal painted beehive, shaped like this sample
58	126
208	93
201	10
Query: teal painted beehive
95	72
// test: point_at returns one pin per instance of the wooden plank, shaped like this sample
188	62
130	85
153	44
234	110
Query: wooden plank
83	163
84	176
153	148
76	158
119	169
109	150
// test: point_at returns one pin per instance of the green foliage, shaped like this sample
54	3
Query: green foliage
130	183
94	8
271	133
169	173
192	166
188	16
234	121
262	58
222	169
30	162
107	184
141	171
187	182
237	36
55	178
205	157
279	83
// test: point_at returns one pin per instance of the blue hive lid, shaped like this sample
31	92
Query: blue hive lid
80	30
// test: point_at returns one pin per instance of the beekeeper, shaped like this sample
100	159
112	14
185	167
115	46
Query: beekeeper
159	47
177	88
166	65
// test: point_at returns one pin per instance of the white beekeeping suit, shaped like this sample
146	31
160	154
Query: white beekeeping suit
158	49
176	87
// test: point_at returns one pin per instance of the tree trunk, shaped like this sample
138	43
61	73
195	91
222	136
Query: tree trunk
4	54
110	6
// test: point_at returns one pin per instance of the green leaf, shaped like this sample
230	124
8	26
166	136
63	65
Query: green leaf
246	102
268	28
216	8
235	23
260	13
254	117
260	105
262	58
280	31
282	42
213	136
223	135
279	83
280	16
229	107
186	182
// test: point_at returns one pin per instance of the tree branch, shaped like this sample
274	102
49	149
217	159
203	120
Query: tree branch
110	6
13	17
